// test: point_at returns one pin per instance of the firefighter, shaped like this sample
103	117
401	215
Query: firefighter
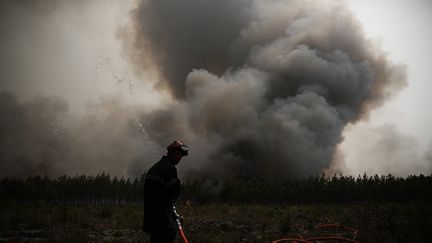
161	189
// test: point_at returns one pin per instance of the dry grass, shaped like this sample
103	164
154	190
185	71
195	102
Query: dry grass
376	222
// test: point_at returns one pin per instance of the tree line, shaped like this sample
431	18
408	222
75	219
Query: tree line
104	189
89	190
336	189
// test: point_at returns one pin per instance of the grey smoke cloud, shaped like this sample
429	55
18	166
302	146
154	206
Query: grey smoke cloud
263	89
260	88
180	36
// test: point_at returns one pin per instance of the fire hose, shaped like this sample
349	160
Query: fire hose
301	239
179	226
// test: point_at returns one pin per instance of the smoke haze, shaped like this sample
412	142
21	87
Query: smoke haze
38	138
68	101
257	88
388	151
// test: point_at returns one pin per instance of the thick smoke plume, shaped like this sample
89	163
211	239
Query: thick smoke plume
264	87
260	88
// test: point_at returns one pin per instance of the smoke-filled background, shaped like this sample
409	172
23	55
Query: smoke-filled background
256	88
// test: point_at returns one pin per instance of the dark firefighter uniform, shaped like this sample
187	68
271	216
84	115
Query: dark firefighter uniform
161	189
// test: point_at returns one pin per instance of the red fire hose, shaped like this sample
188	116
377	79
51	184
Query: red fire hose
299	239
182	235
302	239
179	226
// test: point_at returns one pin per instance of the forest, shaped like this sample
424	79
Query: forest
104	189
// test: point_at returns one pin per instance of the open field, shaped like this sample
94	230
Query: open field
211	222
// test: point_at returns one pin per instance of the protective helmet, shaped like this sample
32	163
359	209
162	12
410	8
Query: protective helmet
178	146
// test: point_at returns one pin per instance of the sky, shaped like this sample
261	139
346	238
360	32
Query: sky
402	30
85	61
